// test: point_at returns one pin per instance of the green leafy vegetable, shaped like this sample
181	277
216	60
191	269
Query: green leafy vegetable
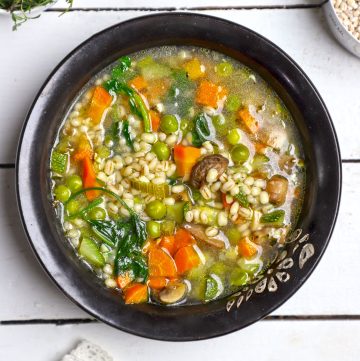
59	162
181	92
126	134
242	199
275	218
136	103
124	64
204	130
19	9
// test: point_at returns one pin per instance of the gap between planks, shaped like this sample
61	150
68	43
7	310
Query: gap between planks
76	321
196	8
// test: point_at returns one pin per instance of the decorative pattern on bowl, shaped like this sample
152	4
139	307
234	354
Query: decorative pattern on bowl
298	251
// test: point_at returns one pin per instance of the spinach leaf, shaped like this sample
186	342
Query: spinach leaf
110	232
126	134
123	64
242	199
202	131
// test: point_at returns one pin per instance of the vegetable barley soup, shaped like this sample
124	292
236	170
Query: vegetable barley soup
177	176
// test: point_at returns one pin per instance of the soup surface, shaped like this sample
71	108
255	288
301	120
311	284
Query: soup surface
177	175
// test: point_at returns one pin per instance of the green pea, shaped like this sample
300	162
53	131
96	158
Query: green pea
224	69
74	182
62	193
156	209
97	214
220	124
169	124
161	150
234	136
153	229
72	207
240	153
232	103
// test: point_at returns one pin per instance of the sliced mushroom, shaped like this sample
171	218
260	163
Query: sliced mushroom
277	188
200	169
198	231
275	137
173	293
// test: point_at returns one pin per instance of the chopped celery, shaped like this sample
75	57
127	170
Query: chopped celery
153	71
167	227
219	268
259	160
250	266
211	213
275	218
176	212
90	251
238	277
158	190
234	235
59	162
213	287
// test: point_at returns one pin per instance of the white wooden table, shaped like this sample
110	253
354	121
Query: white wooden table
320	322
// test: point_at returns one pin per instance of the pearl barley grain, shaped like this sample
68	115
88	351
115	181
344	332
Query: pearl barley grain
349	14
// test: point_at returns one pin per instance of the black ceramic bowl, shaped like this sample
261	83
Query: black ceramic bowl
323	183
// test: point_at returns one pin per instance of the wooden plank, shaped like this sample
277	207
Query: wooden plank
33	53
266	340
27	293
181	4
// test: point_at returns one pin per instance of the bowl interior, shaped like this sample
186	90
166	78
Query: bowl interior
316	220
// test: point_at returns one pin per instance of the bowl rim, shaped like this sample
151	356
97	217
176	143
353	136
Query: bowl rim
23	198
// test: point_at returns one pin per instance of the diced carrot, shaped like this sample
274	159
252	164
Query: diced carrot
185	158
123	280
100	100
194	69
224	201
89	179
157	283
210	94
168	242
247	248
183	238
139	83
155	120
83	149
186	258
251	125
136	293
161	264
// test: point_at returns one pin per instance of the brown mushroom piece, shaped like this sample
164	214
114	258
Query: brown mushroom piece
277	187
173	293
201	168
198	231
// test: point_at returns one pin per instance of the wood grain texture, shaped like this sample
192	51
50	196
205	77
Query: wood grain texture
266	340
27	293
32	53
